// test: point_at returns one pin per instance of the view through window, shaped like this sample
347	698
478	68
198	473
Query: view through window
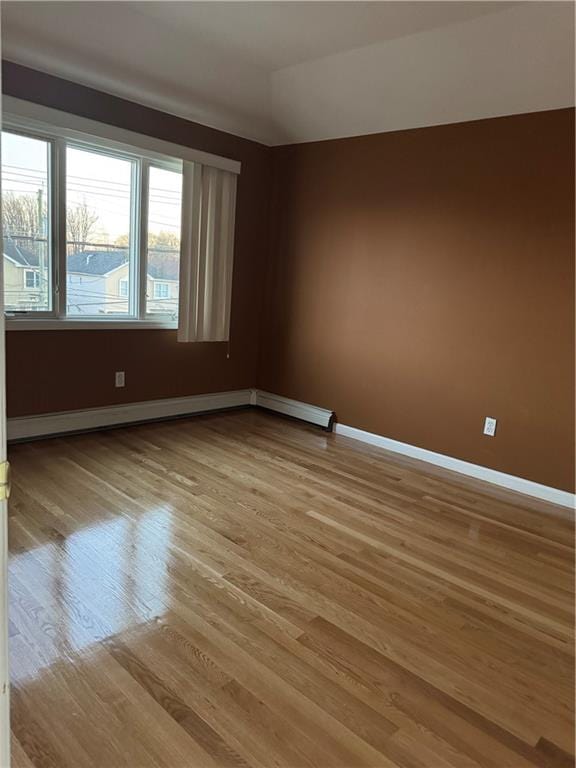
164	207
26	223
98	238
114	219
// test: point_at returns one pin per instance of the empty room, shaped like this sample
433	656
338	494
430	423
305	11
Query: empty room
287	384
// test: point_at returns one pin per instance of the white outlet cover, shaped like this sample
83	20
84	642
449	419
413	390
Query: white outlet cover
119	379
490	426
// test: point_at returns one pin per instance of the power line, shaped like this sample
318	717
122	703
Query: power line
88	179
169	199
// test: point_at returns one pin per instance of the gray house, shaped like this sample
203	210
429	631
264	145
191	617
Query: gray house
97	281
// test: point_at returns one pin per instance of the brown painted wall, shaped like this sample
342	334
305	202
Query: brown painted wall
63	370
420	281
424	279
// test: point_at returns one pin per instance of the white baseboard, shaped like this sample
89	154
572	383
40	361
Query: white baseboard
24	427
511	482
303	411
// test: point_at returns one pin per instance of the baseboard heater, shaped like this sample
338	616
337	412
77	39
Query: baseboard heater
66	422
303	411
49	424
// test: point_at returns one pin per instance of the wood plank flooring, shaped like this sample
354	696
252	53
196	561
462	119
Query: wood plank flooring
241	590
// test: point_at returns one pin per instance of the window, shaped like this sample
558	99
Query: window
161	290
99	239
31	279
163	251
26	223
91	228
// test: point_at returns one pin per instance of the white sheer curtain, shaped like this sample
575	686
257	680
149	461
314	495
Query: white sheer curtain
207	253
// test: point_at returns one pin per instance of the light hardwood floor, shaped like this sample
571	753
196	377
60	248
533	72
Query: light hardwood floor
243	590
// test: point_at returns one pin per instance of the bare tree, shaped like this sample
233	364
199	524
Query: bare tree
122	241
23	215
156	241
164	240
81	223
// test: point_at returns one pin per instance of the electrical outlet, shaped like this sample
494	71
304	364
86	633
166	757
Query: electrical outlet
119	379
489	426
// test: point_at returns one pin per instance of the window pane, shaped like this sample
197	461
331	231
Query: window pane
98	230
164	204
26	223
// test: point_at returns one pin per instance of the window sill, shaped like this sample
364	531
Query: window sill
49	324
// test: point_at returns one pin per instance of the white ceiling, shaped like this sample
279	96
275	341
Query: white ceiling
279	34
300	71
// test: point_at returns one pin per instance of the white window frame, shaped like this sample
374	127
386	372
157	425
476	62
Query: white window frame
35	279
59	139
157	284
